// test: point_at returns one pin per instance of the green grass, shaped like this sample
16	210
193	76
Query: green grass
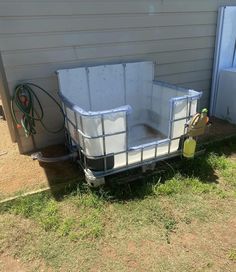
113	228
182	185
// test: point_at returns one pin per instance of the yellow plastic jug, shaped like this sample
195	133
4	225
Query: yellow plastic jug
189	148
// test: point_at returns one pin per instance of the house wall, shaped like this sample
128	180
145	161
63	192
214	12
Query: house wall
39	37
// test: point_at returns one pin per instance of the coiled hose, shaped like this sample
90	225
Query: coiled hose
26	101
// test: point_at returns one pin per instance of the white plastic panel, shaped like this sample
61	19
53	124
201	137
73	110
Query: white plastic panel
93	147
134	157
225	56
161	105
115	122
139	82
163	125
92	125
73	133
106	86
115	143
174	145
149	153
194	107
162	149
120	160
226	97
70	115
180	109
178	128
74	86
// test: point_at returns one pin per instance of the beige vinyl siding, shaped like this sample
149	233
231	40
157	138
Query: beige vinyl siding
39	37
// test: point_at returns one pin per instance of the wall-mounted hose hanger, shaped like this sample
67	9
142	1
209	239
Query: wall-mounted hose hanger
30	108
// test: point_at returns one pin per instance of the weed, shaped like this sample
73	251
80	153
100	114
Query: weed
90	225
89	200
49	218
66	226
181	185
172	186
226	168
232	255
170	224
218	162
28	207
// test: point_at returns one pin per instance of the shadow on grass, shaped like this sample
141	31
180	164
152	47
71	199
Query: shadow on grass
134	184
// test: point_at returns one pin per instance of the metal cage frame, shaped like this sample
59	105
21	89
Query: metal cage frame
76	136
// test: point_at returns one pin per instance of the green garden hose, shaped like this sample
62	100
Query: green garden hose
26	101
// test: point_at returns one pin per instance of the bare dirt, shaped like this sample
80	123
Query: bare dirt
8	263
19	173
218	130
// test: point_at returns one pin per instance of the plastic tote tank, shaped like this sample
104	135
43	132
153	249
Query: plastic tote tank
118	117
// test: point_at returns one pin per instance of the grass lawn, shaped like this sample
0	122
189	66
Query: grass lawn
183	219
